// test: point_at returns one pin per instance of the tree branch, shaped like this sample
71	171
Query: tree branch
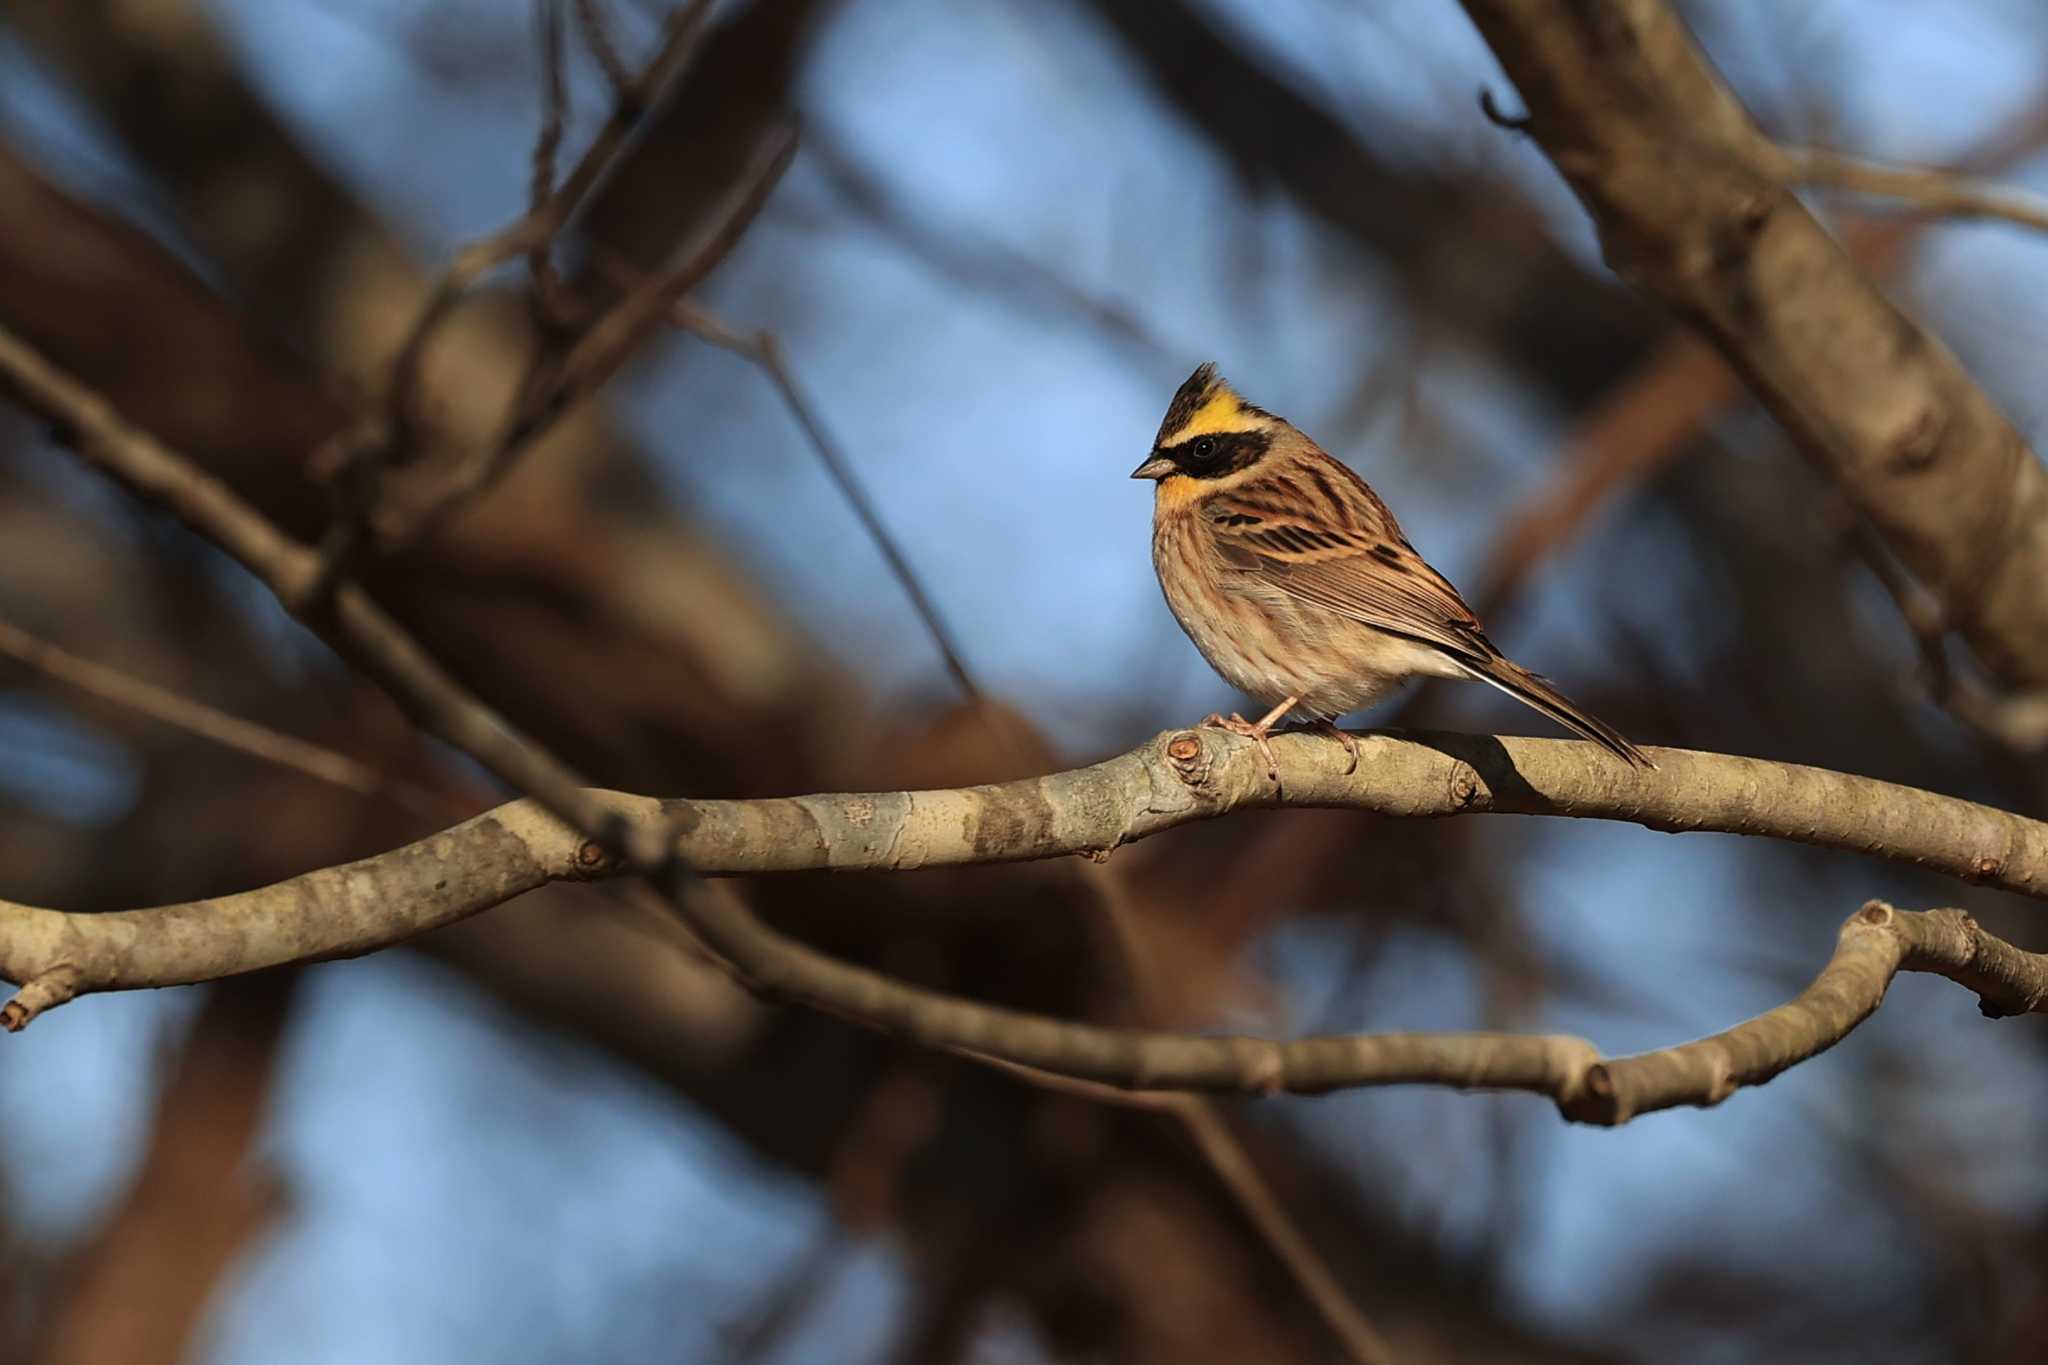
1694	204
1658	411
764	351
1175	779
1874	945
1920	189
232	732
346	616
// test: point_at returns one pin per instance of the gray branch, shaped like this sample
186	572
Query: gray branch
1696	205
1176	778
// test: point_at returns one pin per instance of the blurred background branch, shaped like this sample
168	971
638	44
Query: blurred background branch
1695	204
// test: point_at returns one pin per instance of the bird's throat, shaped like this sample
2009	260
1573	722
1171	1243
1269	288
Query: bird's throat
1178	492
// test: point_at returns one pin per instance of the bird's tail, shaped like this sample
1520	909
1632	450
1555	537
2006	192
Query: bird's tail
1531	690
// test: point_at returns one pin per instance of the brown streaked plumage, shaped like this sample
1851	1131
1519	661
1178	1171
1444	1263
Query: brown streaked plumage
1295	582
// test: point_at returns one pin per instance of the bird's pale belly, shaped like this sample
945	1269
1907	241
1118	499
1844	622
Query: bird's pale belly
1273	647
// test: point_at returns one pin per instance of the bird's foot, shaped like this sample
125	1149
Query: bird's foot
1256	733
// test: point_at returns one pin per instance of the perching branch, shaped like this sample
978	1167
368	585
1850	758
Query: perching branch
1694	204
1177	778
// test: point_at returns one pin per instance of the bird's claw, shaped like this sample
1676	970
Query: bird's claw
1343	737
1257	734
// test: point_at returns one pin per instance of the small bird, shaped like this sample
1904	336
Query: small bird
1295	582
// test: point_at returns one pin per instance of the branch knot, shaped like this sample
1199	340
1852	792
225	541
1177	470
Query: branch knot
1190	759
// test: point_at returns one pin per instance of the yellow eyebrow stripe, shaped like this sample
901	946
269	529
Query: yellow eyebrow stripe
1222	413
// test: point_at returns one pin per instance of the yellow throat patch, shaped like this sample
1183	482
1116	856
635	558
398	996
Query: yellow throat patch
1177	491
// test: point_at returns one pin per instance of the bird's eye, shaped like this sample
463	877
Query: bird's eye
1204	449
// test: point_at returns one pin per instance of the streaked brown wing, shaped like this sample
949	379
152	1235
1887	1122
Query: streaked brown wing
1351	561
1312	530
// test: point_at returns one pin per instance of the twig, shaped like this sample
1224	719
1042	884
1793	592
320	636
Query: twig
388	440
605	346
1233	1166
1255	1198
1923	189
1875	944
969	257
1226	1155
2016	722
597	36
559	379
1220	1147
762	349
550	304
553	387
273	746
1630	432
681	36
244	736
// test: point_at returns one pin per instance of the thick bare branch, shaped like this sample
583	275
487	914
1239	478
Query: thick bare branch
1874	945
1659	411
1176	778
1199	774
2018	721
334	912
1695	205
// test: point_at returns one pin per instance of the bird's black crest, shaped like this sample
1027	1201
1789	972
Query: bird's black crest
1202	388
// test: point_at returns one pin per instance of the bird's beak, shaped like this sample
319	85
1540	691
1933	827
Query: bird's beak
1157	467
